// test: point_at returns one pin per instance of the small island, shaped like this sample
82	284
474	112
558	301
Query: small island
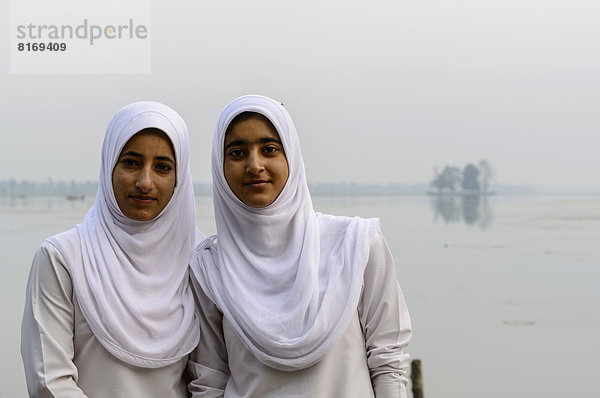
472	180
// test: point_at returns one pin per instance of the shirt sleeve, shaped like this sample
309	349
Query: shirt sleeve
385	322
208	363
47	328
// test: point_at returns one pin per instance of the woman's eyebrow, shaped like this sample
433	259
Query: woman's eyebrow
269	139
264	140
131	153
165	159
139	155
235	143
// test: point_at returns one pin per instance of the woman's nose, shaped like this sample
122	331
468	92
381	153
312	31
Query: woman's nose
255	163
144	181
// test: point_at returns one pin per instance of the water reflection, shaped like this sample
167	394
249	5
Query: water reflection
471	209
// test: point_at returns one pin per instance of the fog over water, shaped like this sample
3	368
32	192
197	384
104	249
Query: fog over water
502	295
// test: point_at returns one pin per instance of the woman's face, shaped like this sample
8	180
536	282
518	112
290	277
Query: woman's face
255	165
144	177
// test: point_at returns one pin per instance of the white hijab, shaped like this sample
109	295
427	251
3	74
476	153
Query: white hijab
131	278
287	279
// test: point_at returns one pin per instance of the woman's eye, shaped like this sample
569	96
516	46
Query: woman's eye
271	149
236	153
164	167
130	162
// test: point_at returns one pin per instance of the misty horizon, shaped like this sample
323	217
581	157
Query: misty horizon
341	188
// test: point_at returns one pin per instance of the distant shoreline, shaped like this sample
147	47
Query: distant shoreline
24	188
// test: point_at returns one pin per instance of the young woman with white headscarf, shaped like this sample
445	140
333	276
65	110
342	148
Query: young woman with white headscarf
294	302
109	310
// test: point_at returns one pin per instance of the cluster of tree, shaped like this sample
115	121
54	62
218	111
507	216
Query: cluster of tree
473	178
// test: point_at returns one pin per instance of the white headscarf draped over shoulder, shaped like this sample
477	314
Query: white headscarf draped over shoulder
287	279
131	278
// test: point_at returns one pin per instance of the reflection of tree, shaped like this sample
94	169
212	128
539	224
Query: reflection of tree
447	207
486	213
471	209
470	206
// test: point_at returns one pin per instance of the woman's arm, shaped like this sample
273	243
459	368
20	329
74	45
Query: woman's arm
208	363
47	328
385	322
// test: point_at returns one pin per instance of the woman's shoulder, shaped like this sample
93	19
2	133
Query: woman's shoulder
49	263
67	240
369	226
58	248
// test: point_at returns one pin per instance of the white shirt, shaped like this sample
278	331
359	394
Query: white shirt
358	365
63	358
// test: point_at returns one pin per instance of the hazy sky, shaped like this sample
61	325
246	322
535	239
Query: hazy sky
380	91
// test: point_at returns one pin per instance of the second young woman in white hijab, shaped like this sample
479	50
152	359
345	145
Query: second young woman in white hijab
294	303
109	311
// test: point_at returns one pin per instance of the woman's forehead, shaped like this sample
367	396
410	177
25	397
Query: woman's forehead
250	124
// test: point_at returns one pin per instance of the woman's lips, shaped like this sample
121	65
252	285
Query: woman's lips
256	184
142	199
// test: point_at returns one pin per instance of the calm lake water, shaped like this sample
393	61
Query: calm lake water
504	293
